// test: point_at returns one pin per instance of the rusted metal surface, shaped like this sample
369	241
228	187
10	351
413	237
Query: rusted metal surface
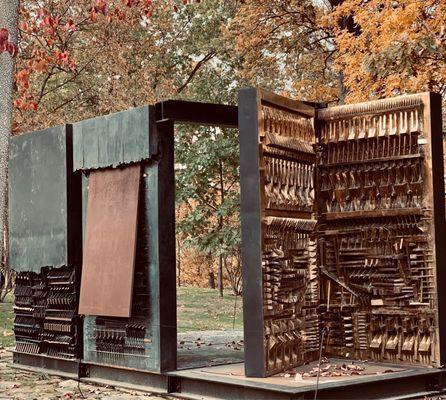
369	273
110	242
44	193
279	254
112	140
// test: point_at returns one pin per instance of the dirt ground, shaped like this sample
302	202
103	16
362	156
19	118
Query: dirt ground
21	385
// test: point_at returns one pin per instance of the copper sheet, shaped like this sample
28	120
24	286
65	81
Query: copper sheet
110	242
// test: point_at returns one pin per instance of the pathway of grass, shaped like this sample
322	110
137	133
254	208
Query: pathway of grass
6	322
203	309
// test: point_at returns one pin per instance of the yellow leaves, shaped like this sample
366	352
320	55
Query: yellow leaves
40	65
400	48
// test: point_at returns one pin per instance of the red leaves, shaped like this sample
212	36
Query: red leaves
130	3
26	104
62	56
4	35
47	22
100	7
70	26
6	44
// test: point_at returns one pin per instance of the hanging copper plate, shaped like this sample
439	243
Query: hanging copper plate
110	242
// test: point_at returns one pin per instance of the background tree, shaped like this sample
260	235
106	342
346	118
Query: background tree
400	47
78	61
82	58
208	184
285	47
8	50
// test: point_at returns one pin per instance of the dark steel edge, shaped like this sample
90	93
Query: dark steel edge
163	222
41	361
436	137
305	109
192	112
255	359
189	384
405	384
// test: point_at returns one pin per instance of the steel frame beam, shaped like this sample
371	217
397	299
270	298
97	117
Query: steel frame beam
167	114
408	384
196	113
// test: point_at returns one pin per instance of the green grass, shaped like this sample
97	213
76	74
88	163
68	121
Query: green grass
203	309
198	309
6	322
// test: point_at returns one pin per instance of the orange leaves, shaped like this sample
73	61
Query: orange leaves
22	78
25	101
101	6
400	47
26	104
93	15
40	66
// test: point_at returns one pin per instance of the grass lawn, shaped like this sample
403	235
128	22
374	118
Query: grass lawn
198	309
203	309
6	322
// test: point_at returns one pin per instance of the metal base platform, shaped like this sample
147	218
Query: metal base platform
229	382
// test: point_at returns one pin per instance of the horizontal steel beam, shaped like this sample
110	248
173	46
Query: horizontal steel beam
406	384
192	112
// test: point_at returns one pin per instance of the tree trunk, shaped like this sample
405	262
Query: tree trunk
211	280
8	285
220	227
220	275
8	20
179	261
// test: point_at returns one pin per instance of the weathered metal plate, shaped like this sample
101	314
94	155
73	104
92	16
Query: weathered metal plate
110	242
111	140
38	203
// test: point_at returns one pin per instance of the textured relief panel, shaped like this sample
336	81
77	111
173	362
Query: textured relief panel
45	309
283	261
346	220
378	263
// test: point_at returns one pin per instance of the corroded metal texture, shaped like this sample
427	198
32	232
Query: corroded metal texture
279	254
38	199
112	140
45	308
110	242
381	216
369	274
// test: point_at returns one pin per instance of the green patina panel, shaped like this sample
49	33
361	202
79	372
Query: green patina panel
38	200
111	140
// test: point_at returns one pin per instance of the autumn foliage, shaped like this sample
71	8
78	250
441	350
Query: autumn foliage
6	45
401	47
343	50
80	58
